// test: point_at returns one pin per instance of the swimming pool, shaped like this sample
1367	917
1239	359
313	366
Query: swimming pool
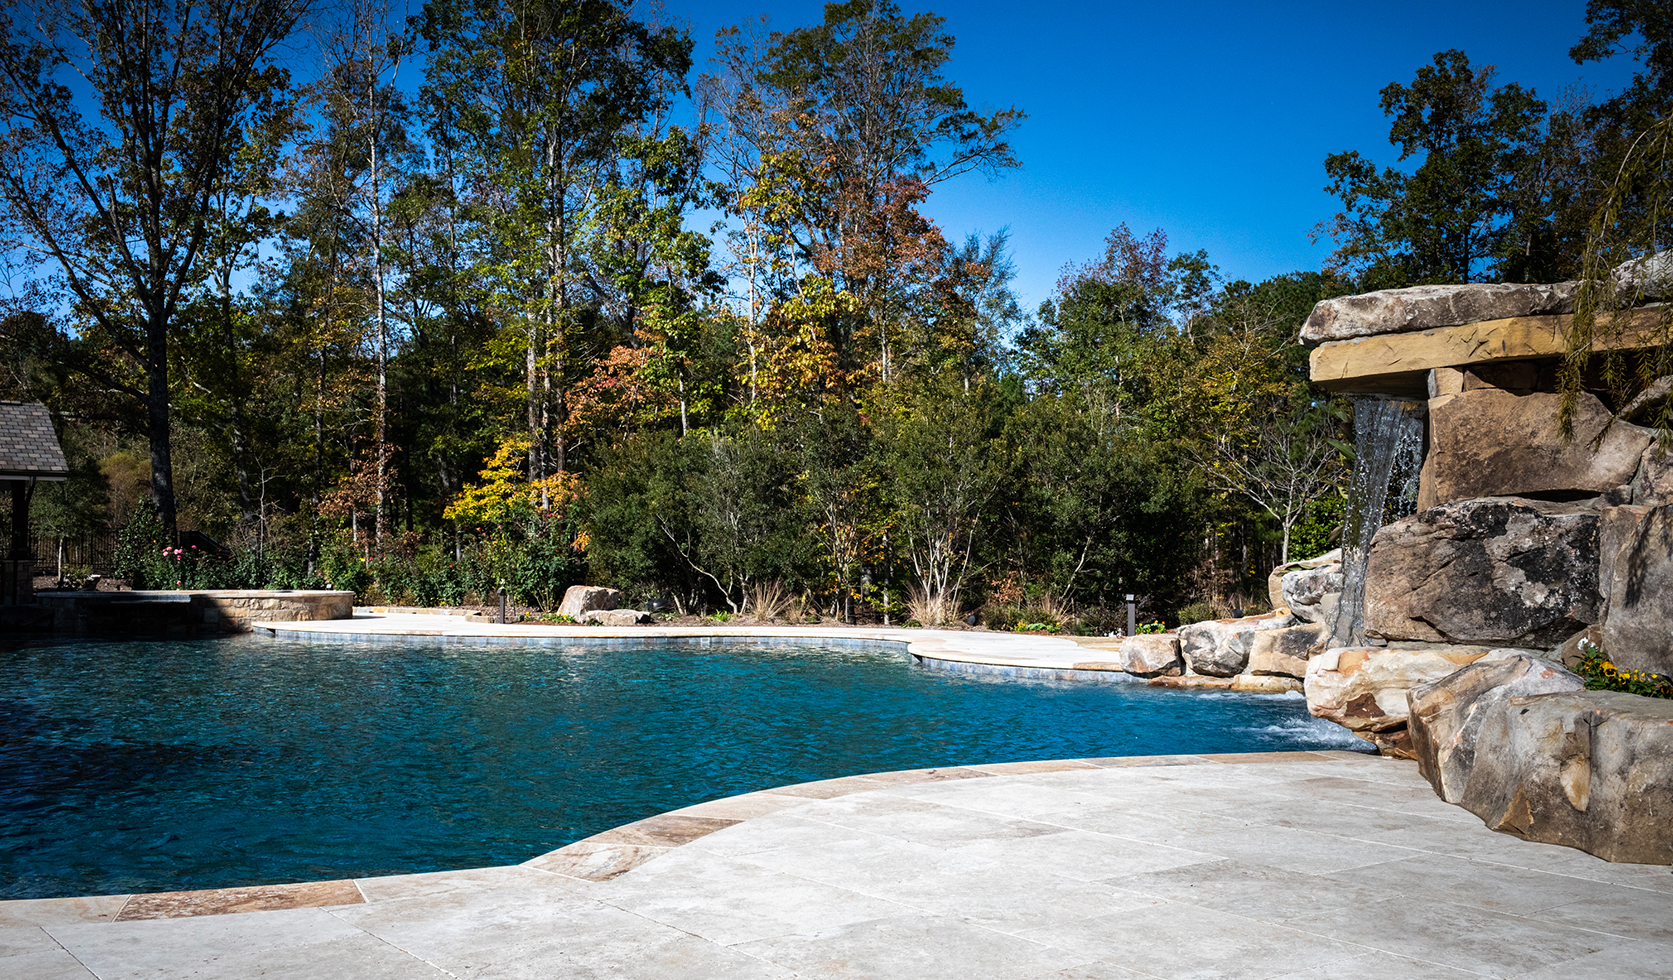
172	765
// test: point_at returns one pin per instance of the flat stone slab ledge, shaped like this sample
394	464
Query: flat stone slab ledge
1021	655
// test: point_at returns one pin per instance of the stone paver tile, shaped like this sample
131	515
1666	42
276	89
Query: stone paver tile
1008	901
1048	765
1619	961
745	807
17	940
359	957
590	860
1476	843
52	964
1147	761
1024	796
1254	891
1339	819
460	924
663	830
855	809
178	947
669	955
225	901
1298	850
50	911
1251	758
1628	912
1460	936
826	789
1569	861
1496	887
912	777
1094	971
940	826
1348	789
1083	856
1157	823
866	865
450	882
911	947
1381	966
777	832
1181	942
731	902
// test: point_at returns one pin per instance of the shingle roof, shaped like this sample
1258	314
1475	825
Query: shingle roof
28	446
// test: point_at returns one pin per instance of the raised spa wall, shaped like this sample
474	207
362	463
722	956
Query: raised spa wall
185	612
1524	544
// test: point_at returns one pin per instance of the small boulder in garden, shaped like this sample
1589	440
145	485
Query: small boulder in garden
578	599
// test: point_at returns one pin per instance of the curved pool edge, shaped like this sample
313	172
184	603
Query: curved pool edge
601	857
1015	655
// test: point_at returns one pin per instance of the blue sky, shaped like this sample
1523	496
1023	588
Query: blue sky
1209	120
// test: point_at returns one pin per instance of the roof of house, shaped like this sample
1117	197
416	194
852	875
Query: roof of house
28	445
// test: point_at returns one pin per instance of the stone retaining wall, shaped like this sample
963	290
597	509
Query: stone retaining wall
188	612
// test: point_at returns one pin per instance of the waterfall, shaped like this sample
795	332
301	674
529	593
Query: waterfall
1388	454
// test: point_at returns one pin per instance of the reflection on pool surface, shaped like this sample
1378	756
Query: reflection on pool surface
171	765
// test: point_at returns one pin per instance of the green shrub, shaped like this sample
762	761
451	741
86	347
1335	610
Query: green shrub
1602	674
1196	612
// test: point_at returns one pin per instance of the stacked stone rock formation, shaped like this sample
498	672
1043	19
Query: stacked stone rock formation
1524	540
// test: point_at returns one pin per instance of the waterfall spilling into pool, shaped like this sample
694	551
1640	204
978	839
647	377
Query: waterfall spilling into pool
1388	456
160	766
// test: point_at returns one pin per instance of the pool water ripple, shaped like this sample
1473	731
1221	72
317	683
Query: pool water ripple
172	765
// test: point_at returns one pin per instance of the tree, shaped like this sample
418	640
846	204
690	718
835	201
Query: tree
1471	207
539	92
1633	220
121	208
834	134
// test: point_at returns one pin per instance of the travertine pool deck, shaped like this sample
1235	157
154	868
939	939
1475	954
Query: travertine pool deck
1300	865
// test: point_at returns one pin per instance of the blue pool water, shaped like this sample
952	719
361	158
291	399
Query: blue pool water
168	765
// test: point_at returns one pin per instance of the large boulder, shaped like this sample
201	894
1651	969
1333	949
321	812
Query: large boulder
1446	714
1310	593
1285	652
1585	768
1500	571
1220	647
1363	689
578	599
1654	482
1150	655
1635	578
1645	279
1491	442
1422	307
1275	580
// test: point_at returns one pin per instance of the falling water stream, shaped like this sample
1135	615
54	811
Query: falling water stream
1388	455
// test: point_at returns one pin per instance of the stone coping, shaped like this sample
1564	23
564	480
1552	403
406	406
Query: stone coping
600	857
1018	655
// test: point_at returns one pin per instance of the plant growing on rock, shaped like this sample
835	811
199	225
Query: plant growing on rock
1603	674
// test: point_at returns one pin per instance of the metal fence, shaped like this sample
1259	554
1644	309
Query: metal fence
85	552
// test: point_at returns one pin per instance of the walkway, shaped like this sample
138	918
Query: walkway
1298	865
